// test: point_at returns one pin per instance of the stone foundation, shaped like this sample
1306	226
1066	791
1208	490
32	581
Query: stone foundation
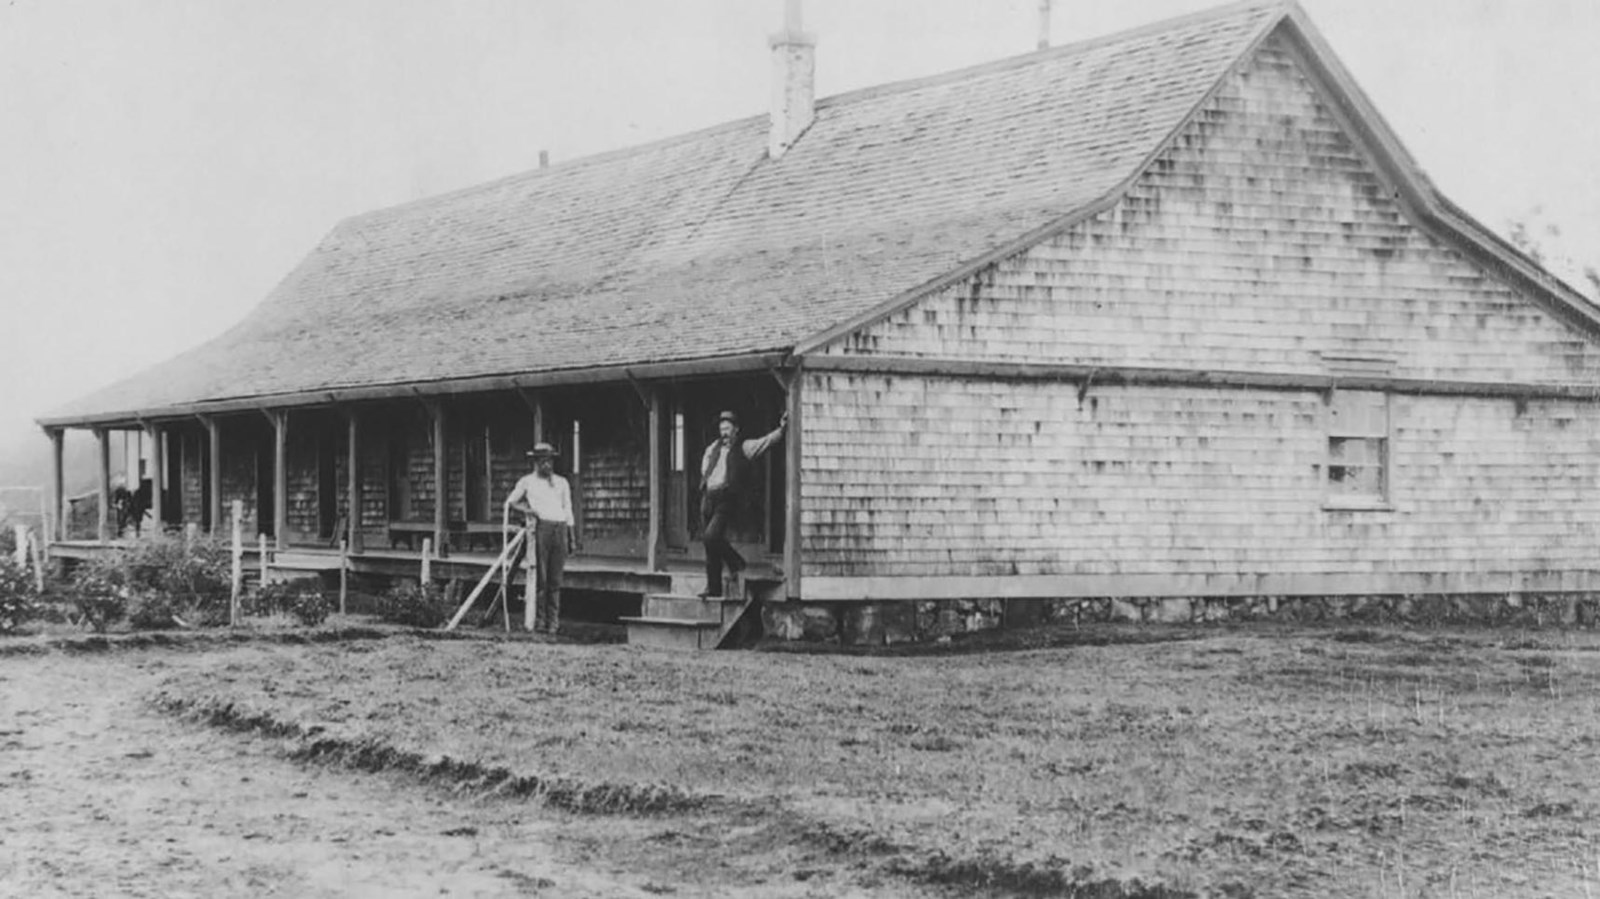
888	623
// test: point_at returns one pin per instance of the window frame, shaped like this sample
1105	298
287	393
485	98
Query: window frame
1363	432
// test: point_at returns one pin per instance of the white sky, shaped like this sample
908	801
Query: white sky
163	163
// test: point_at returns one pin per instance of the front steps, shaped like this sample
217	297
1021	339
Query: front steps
676	621
684	622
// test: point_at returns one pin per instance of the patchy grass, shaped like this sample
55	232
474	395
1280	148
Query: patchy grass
1262	763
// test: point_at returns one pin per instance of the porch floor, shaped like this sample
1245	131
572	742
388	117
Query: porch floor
622	574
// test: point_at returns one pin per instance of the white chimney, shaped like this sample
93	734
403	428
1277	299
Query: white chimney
794	69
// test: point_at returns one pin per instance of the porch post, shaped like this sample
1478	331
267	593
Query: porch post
104	529
214	472
441	482
58	483
158	468
653	541
353	514
791	487
280	477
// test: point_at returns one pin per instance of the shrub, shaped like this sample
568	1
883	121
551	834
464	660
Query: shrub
412	604
156	583
303	599
100	595
18	599
197	574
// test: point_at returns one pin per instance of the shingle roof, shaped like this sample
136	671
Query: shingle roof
701	246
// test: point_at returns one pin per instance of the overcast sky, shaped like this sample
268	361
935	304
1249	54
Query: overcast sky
166	162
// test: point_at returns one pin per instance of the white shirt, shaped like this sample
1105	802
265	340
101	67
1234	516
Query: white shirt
550	499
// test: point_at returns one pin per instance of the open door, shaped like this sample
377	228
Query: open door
690	426
266	513
675	528
172	478
328	452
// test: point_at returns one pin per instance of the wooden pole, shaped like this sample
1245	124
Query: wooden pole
427	562
441	482
262	557
58	481
191	533
19	554
38	561
792	460
472	597
657	508
280	478
158	471
214	473
104	530
353	465
344	574
238	561
1044	24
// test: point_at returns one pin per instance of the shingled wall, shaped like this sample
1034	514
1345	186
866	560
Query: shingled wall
1263	241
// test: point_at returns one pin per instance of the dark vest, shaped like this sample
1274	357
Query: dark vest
737	470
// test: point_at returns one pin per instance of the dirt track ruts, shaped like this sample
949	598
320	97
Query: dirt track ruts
101	795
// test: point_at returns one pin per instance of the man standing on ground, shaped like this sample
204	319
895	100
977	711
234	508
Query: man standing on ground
545	500
725	474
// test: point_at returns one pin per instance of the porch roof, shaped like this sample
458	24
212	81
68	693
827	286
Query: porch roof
700	247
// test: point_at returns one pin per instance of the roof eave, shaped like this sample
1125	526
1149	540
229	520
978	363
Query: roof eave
646	371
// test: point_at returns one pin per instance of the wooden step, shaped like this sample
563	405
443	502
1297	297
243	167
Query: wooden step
684	607
673	633
291	561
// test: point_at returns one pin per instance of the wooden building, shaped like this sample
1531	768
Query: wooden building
1168	316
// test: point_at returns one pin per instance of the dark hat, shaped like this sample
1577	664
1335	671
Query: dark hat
543	449
728	416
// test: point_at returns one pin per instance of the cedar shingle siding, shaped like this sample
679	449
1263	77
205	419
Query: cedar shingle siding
1262	241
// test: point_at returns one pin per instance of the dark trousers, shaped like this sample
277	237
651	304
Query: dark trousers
717	511
543	595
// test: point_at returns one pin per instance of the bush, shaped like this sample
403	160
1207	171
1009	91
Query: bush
196	575
18	599
100	595
303	599
156	583
411	604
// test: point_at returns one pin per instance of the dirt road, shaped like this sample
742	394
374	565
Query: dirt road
103	795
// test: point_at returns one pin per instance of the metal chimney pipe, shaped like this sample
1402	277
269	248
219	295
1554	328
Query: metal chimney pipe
1044	24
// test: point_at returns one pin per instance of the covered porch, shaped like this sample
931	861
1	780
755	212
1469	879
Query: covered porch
399	475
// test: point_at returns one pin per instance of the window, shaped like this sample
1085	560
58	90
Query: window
677	441
577	445
1358	449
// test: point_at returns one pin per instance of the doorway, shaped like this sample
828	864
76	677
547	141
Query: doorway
266	511
688	427
327	484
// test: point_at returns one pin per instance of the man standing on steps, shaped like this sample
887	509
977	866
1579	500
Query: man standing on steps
725	475
545	500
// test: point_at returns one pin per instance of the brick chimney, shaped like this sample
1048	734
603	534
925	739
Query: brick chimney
794	68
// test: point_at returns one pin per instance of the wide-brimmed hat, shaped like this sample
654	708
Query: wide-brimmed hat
728	416
543	449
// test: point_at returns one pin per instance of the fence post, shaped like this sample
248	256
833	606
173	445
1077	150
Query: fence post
38	558
262	559
427	561
191	533
238	561
20	554
344	572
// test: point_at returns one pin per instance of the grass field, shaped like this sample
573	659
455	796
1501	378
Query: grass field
1171	762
